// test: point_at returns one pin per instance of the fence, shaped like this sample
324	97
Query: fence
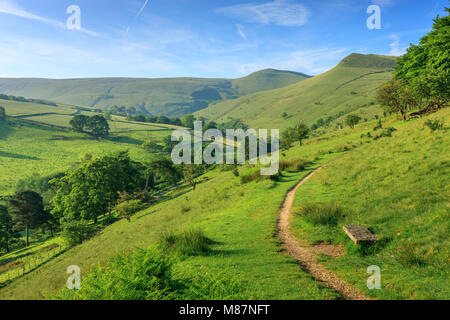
29	264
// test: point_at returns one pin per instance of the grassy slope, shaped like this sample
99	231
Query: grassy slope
346	88
15	108
30	147
398	187
242	221
158	96
244	251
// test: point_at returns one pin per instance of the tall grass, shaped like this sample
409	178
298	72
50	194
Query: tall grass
189	242
321	214
294	165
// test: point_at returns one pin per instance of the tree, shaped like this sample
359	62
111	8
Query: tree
301	132
161	170
191	174
7	232
27	209
396	96
431	54
424	69
98	125
352	120
2	113
128	208
188	121
79	122
75	232
287	138
91	190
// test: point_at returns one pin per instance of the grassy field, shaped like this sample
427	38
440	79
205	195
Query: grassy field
15	108
347	88
397	187
27	148
365	177
240	219
172	97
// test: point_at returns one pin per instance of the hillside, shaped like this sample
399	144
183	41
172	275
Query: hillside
401	214
349	87
170	97
38	145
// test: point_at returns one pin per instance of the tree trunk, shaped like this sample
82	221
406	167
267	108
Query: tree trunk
27	235
109	208
403	115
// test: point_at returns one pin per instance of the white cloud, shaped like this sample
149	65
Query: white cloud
241	31
11	8
396	49
277	12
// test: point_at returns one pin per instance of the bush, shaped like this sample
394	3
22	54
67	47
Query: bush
388	132
146	274
321	214
187	243
75	232
434	125
141	275
127	209
249	177
294	165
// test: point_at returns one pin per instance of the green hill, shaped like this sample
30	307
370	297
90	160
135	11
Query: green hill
349	87
365	177
171	96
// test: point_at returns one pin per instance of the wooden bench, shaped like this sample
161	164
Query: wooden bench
359	234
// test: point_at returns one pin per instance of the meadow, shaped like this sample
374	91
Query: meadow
395	187
30	147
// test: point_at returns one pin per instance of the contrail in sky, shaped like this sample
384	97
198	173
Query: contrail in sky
139	13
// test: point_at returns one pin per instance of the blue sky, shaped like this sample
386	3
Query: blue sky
200	38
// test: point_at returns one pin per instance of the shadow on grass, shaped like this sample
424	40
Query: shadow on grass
125	139
17	156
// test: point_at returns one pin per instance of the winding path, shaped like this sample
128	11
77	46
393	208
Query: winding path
305	255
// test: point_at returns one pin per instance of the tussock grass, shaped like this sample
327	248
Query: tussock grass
294	165
189	242
321	213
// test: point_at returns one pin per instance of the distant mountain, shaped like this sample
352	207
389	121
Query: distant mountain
349	87
169	96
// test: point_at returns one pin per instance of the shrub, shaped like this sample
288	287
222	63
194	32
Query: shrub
434	125
294	165
378	126
388	132
187	243
146	274
321	214
249	177
75	232
141	275
127	209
